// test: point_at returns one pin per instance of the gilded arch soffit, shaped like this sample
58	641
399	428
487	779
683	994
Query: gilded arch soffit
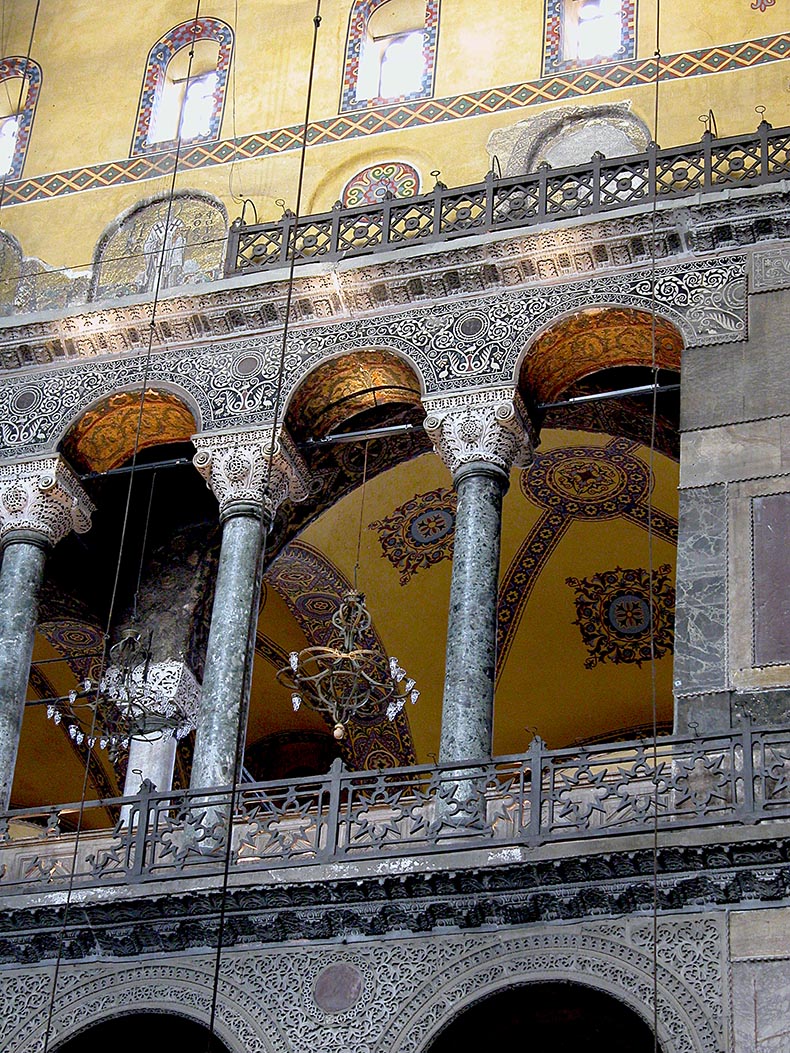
467	344
105	436
593	339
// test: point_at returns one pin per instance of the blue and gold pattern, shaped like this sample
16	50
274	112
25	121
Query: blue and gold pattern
578	483
419	533
613	615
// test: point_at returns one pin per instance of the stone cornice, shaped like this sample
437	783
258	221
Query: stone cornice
569	888
364	287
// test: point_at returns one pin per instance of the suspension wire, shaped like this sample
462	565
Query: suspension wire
119	561
264	532
22	86
650	530
361	512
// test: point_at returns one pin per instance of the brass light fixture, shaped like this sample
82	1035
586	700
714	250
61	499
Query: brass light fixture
349	680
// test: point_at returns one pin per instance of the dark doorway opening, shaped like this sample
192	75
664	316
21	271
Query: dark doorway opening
547	1016
144	1031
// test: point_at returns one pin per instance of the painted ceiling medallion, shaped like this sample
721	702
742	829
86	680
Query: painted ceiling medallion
613	614
419	533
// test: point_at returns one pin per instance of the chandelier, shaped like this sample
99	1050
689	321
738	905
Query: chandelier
134	699
348	681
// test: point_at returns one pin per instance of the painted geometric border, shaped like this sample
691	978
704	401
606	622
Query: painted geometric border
572	84
30	71
357	32
553	61
156	71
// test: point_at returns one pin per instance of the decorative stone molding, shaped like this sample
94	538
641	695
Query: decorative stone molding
247	468
388	995
169	687
488	426
45	497
771	269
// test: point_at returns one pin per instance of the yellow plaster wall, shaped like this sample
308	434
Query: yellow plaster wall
86	116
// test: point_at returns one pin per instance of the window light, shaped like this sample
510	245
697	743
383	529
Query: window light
402	66
194	103
9	129
599	29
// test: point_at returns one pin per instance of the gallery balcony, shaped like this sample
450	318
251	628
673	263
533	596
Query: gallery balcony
600	186
543	805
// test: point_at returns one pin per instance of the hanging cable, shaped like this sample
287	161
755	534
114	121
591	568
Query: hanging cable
650	533
250	650
121	547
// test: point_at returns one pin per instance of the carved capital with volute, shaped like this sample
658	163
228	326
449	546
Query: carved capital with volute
489	426
43	499
248	474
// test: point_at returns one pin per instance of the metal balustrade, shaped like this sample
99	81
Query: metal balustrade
601	185
543	797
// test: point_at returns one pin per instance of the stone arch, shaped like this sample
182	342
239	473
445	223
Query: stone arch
350	385
568	136
159	1027
193	227
594	338
612	962
554	1011
104	434
97	994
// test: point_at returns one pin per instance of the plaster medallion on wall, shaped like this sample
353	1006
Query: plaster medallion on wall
419	533
613	614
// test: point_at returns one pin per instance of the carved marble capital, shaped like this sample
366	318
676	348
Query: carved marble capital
166	688
237	468
44	497
490	426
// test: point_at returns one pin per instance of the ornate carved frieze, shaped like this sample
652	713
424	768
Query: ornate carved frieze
389	995
488	426
771	269
463	345
43	496
248	467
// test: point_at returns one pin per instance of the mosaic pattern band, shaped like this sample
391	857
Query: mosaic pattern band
567	85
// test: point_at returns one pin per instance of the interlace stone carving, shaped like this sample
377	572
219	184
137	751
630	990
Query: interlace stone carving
403	991
236	468
488	426
44	496
170	687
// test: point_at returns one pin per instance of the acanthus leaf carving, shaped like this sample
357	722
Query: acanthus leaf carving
493	426
43	496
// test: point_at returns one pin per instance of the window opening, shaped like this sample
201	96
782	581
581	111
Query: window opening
597	30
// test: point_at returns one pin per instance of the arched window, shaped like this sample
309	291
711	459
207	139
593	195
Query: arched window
182	101
586	32
20	83
390	52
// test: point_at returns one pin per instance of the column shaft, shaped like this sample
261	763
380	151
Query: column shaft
21	574
225	695
468	705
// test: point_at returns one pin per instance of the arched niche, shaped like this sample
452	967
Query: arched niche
568	136
183	237
106	435
555	1015
153	1030
605	349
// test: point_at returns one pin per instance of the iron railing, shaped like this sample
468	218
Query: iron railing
543	797
601	185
